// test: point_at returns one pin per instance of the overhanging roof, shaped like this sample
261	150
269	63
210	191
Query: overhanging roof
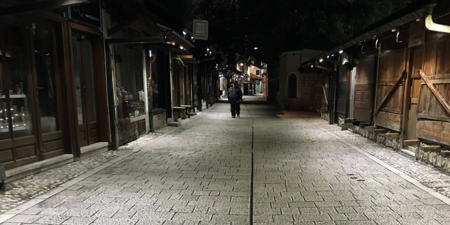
138	40
41	5
417	10
172	35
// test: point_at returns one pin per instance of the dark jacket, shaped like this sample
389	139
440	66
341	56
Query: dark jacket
234	94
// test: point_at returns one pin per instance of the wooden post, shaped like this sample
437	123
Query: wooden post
412	142
433	148
380	131
392	135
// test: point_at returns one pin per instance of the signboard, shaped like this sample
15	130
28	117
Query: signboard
200	29
86	13
416	34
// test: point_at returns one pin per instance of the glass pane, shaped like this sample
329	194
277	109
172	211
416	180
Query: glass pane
89	70
76	67
17	67
43	51
4	128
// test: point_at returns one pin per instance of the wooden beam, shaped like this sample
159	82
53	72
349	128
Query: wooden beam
324	68
380	131
436	93
42	5
392	135
433	148
411	142
371	128
390	93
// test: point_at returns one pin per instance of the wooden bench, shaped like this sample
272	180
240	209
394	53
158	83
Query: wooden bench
178	111
188	110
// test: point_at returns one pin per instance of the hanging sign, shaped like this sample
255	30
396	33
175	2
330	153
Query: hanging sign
86	13
200	29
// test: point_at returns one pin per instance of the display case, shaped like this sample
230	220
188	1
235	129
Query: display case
19	119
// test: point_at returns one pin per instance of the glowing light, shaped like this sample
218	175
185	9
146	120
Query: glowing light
341	51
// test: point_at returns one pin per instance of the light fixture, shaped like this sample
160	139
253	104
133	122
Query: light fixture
242	64
252	66
184	33
320	60
181	47
341	51
332	55
328	56
172	42
207	49
256	48
312	66
150	53
394	30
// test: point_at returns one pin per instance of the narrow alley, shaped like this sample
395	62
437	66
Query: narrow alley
267	167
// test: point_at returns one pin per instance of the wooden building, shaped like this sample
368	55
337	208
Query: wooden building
78	76
393	79
52	81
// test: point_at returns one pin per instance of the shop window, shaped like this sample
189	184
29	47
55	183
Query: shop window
45	73
292	86
15	114
130	82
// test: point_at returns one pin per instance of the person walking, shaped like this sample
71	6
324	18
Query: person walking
235	98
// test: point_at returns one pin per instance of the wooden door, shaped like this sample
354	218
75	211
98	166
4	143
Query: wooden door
389	99
85	88
364	83
433	105
416	61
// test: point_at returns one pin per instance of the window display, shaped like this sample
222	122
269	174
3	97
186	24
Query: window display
15	114
130	82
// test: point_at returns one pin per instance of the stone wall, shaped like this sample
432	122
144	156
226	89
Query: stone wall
439	160
160	120
394	143
128	131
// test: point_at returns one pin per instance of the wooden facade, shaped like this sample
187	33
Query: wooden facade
46	87
401	82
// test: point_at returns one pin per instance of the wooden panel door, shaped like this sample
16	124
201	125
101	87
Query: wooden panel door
416	63
389	99
433	118
364	79
85	89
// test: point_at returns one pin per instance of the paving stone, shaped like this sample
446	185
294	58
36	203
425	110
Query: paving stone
200	173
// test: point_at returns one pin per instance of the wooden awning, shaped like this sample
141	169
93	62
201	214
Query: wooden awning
189	59
41	5
174	36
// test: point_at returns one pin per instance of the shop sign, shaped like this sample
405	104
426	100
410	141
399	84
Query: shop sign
200	29
86	13
416	34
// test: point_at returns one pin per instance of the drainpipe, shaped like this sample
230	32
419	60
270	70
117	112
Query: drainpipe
430	25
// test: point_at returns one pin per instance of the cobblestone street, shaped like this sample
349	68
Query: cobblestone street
267	167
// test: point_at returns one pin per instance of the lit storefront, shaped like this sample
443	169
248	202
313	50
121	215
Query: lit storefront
52	86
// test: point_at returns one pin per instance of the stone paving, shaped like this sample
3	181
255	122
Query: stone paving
18	192
267	167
